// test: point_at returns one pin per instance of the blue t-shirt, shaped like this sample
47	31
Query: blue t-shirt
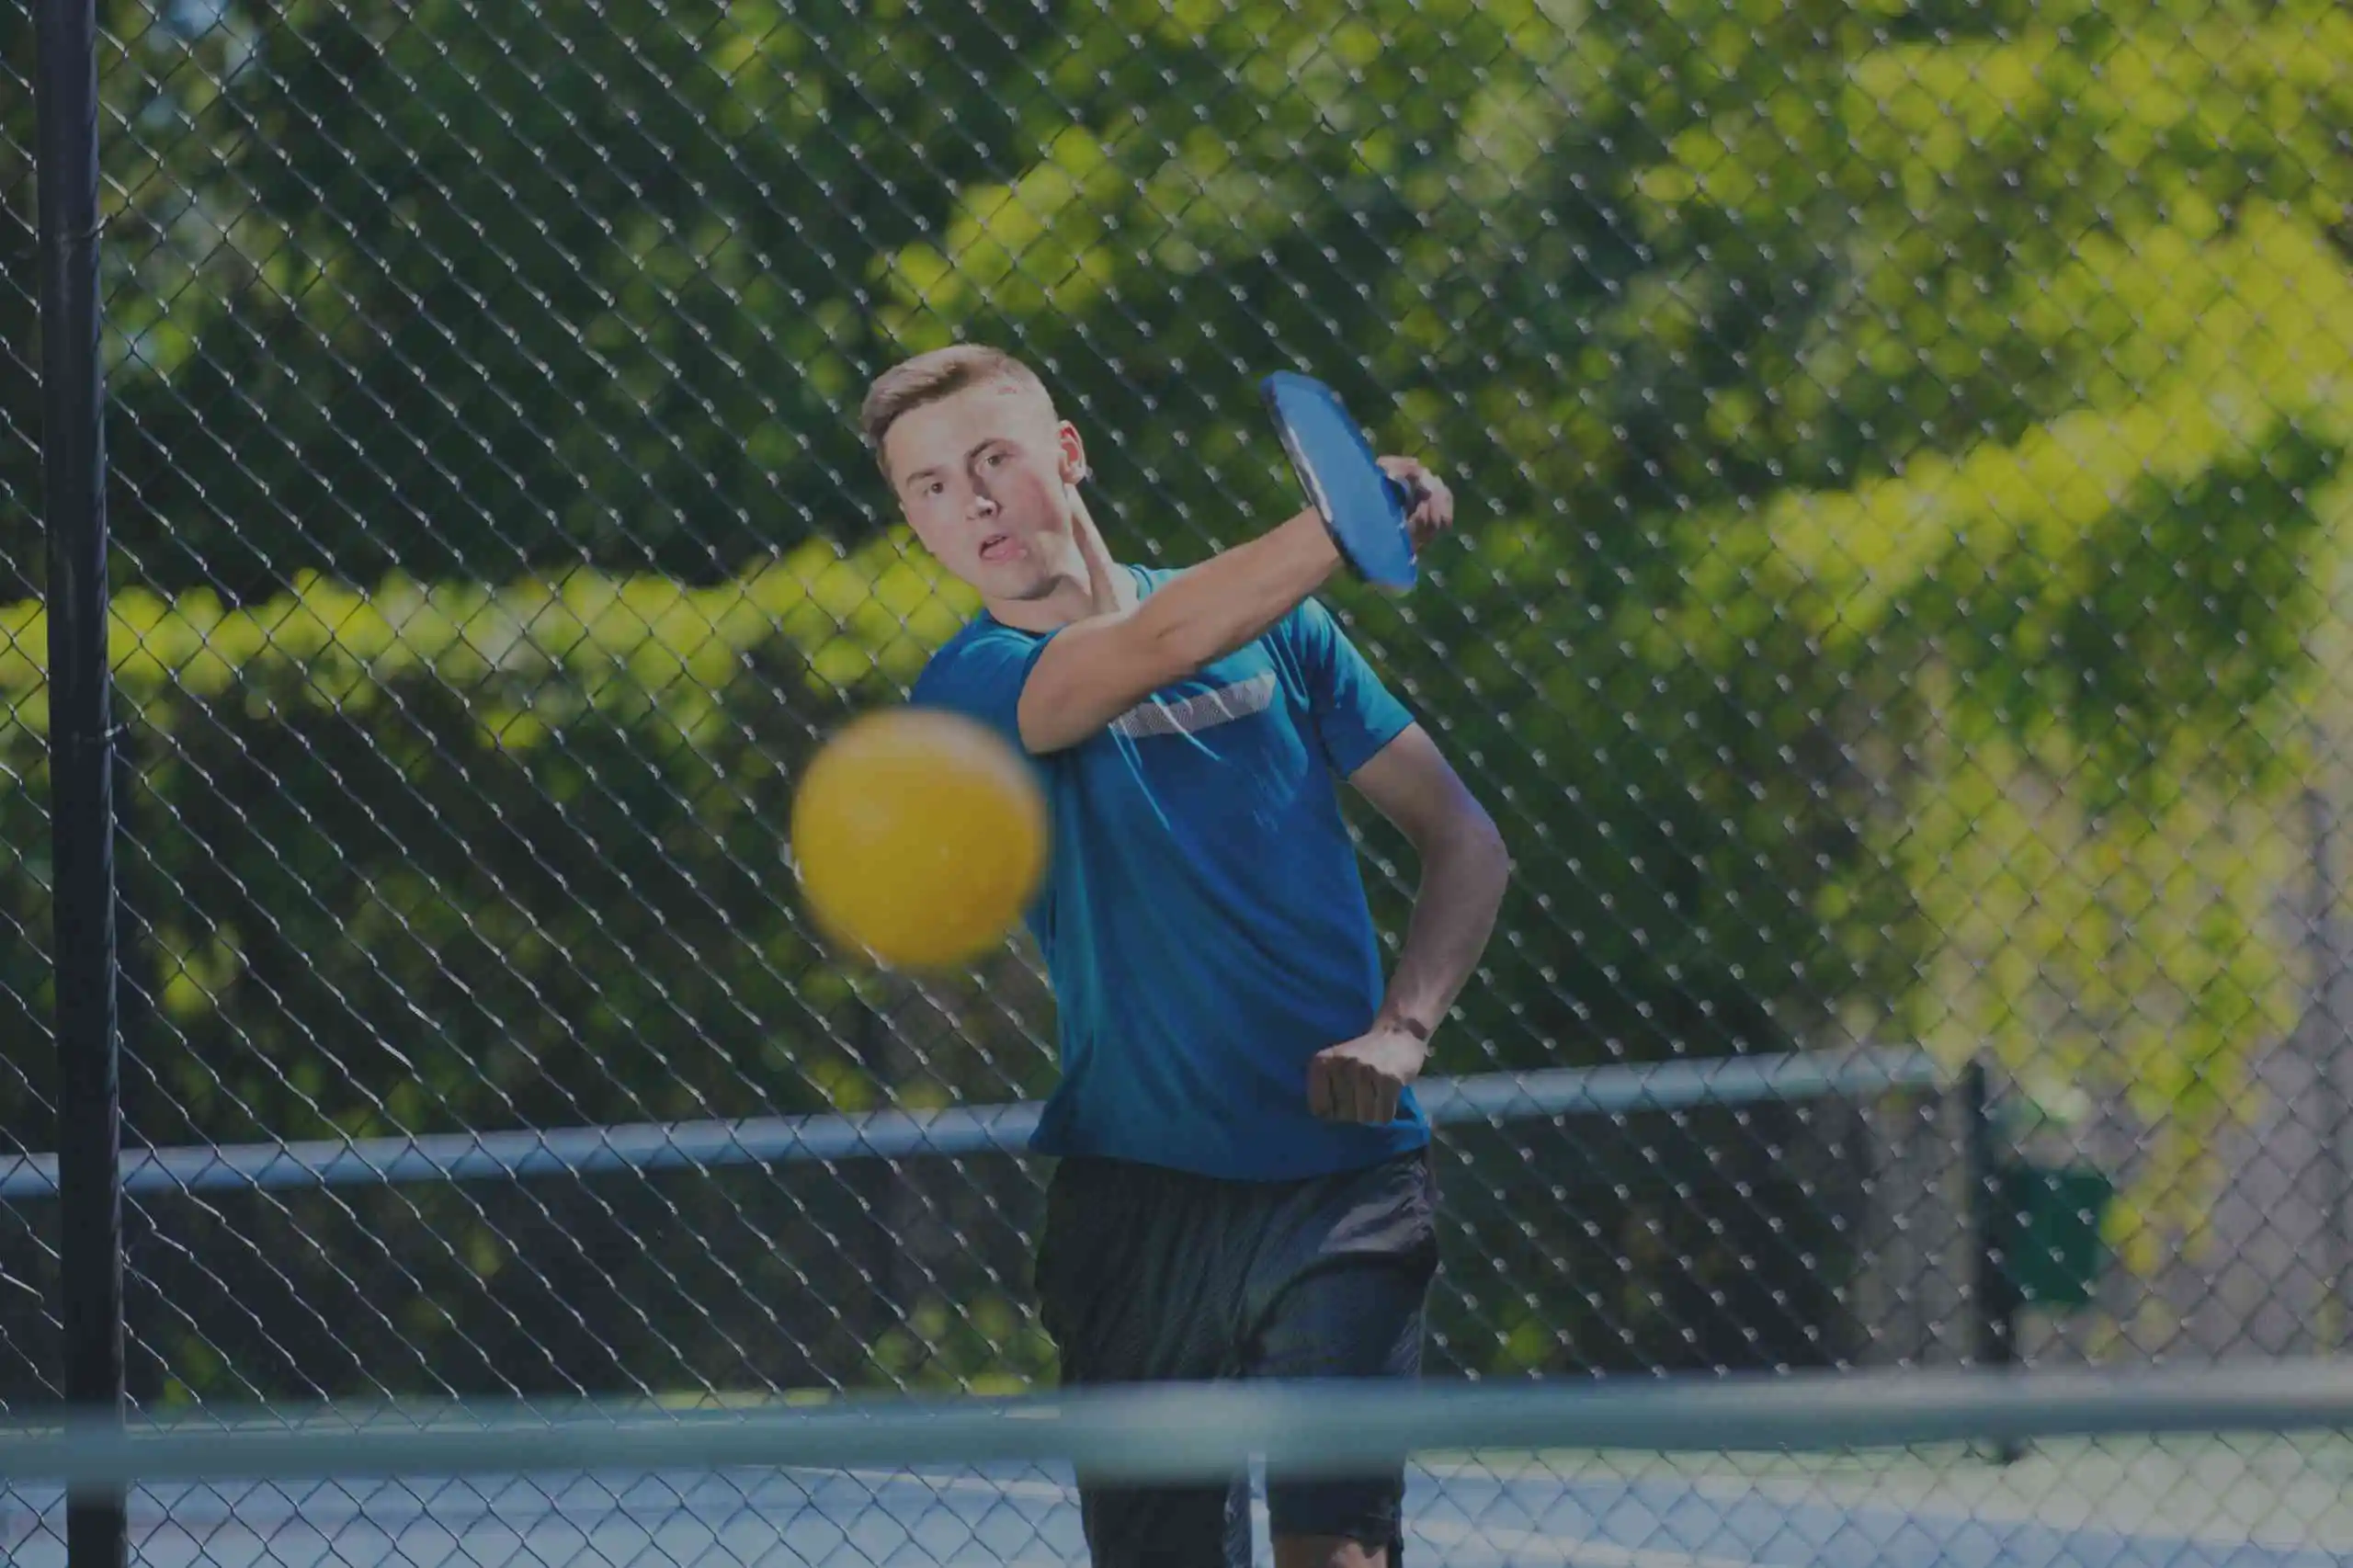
1203	919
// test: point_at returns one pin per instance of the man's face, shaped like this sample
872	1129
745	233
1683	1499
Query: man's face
984	477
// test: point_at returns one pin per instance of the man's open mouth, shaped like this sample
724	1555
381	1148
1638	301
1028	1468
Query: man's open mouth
997	546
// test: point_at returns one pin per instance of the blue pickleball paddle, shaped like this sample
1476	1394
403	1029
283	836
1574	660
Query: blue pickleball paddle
1363	507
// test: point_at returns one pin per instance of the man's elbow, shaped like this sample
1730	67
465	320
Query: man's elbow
1492	849
1467	836
1090	676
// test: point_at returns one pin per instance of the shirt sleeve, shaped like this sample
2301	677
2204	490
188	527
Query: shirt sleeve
1355	715
981	677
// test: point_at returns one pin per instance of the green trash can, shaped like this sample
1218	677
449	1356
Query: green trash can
2054	1218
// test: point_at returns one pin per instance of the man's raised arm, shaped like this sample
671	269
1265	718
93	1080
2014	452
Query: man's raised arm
1097	668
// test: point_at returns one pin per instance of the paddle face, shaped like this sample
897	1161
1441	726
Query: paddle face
1362	507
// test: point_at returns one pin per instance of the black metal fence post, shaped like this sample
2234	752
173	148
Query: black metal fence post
81	750
1994	1301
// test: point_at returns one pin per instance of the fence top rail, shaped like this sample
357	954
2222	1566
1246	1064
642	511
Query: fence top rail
1615	1090
1184	1432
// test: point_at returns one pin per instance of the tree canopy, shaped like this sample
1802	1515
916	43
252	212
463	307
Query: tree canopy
1901	447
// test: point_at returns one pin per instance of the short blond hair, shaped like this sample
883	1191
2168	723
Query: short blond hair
928	377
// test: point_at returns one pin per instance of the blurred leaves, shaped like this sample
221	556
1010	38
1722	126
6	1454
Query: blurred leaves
1900	448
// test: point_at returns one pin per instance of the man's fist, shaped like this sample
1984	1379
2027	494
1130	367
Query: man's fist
1430	510
1360	1079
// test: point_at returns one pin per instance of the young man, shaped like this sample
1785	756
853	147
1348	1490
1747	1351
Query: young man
1244	1187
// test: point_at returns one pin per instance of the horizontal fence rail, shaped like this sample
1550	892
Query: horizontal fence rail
1483	1099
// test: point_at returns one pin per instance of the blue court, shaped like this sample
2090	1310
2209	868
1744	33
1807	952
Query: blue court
2213	1505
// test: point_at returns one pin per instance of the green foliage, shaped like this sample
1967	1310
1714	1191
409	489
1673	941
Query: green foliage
1901	450
393	852
430	861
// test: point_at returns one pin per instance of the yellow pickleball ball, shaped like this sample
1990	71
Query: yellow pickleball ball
920	837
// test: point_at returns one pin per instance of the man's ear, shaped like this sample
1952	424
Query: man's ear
1073	453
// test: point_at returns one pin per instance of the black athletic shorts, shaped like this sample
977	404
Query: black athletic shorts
1147	1275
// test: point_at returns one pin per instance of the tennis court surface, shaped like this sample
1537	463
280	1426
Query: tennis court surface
2205	1504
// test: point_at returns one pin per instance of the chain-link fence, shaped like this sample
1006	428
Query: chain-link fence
1900	604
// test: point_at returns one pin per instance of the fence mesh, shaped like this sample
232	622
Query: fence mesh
1900	600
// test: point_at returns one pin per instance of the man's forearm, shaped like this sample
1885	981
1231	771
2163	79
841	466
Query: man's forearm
1463	877
1207	611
